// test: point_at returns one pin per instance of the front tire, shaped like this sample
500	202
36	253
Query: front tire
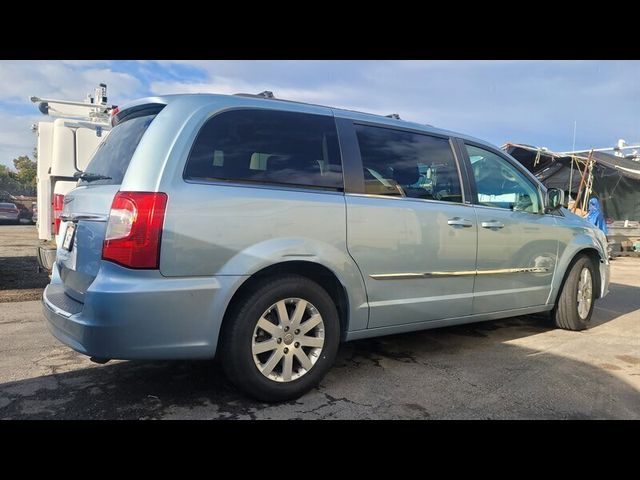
280	339
576	300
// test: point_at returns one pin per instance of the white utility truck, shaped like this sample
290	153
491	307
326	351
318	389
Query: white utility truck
65	146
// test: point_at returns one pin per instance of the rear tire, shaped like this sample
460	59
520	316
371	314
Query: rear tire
576	300
259	374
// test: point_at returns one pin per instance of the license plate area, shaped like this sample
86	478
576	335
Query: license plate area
67	243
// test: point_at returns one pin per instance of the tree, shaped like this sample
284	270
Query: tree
21	182
8	183
27	170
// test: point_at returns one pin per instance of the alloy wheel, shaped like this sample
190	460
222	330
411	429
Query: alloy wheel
288	339
585	292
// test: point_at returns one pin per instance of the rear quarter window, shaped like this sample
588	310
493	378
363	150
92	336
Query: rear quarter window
268	146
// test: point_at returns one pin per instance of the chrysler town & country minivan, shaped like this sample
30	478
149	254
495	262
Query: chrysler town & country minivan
265	232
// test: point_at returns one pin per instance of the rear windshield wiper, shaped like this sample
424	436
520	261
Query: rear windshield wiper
90	177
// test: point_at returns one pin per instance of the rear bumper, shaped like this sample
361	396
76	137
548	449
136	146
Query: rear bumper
71	332
140	315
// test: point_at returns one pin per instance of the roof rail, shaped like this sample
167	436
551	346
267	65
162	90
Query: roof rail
268	94
265	94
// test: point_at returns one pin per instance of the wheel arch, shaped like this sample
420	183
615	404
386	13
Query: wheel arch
595	256
317	272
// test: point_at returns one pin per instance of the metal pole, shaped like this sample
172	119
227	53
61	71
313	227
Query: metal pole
588	186
586	167
575	123
608	149
571	176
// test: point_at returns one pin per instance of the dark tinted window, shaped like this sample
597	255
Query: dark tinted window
408	164
113	155
268	146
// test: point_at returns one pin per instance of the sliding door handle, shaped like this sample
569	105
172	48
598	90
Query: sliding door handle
492	224
459	222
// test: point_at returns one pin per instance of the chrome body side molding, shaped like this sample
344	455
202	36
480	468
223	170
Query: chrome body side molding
412	275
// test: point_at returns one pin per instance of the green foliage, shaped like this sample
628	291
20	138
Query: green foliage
27	170
21	182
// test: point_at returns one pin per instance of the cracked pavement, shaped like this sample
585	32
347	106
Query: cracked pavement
518	368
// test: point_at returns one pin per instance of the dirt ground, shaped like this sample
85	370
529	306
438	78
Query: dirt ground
19	276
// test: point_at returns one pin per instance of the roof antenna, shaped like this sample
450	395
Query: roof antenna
393	115
266	94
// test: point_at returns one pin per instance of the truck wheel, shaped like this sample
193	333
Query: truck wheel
281	339
575	302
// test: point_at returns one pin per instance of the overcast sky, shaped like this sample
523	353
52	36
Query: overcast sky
533	102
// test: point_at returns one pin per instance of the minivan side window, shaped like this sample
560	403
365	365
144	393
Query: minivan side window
268	146
406	164
500	184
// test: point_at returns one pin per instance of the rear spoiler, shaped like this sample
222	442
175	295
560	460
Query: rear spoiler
118	116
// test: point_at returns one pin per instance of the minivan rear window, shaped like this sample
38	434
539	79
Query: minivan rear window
268	146
112	157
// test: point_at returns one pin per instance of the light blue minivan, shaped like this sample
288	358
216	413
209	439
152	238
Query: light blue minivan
266	232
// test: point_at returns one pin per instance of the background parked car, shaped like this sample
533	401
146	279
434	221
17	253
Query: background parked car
66	140
9	213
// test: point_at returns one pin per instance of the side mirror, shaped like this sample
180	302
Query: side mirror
555	199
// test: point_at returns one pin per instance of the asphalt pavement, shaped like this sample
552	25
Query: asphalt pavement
519	368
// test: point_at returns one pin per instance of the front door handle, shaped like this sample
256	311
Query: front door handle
492	224
459	222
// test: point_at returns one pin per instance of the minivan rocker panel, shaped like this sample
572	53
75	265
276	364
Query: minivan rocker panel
267	231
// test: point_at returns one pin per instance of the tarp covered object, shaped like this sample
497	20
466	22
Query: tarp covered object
616	180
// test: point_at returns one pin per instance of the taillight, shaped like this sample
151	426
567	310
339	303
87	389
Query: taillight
134	229
58	204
